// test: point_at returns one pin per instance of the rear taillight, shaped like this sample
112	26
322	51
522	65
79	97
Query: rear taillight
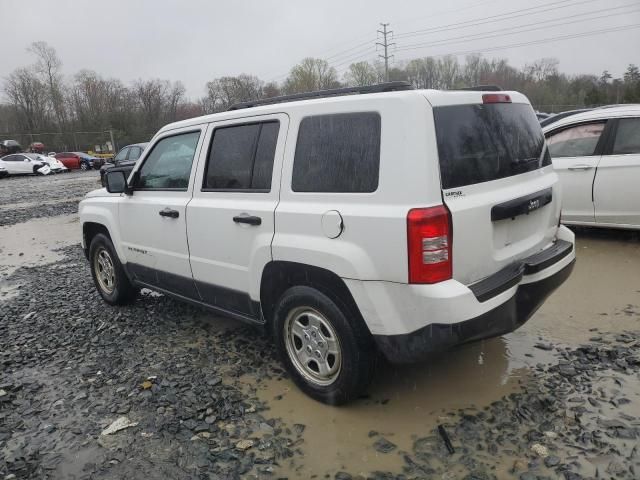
496	98
429	240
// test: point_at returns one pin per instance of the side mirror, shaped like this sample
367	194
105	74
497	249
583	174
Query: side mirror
116	182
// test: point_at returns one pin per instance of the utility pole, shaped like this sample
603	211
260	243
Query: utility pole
113	144
385	33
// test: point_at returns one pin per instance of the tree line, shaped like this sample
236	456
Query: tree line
39	99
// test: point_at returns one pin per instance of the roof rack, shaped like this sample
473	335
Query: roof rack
334	92
482	88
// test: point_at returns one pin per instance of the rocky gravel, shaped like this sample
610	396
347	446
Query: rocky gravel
159	389
71	366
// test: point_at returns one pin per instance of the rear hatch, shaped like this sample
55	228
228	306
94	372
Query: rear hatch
497	180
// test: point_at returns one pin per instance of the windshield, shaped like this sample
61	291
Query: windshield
484	142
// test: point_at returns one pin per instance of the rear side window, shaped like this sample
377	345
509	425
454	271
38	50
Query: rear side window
577	141
627	137
480	143
338	153
241	157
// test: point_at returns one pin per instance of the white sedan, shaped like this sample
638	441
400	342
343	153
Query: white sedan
23	163
596	154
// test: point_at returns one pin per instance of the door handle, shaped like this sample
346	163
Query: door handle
167	212
580	167
248	219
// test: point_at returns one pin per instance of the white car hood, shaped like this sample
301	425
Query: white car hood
100	192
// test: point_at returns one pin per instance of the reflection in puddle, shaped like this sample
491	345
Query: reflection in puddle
405	403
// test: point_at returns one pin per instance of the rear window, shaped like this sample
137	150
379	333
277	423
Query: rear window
480	143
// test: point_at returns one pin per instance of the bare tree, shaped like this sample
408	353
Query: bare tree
309	75
225	91
28	96
540	70
361	74
48	66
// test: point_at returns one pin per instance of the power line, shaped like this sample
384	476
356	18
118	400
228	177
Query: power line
518	29
385	33
540	41
493	18
364	52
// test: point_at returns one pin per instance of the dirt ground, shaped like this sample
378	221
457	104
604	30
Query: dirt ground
577	354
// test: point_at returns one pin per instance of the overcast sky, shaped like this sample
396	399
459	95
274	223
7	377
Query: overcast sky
197	40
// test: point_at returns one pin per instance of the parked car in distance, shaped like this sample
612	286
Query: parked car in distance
126	157
72	161
93	162
375	219
55	165
79	160
22	163
597	157
9	146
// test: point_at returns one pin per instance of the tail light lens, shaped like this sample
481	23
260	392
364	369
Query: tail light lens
429	239
496	98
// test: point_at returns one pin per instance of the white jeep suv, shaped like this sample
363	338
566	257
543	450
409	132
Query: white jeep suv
348	222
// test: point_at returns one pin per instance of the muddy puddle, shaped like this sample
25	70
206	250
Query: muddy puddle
405	403
34	243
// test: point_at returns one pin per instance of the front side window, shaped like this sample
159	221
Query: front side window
168	165
578	141
241	157
134	153
122	154
338	153
627	137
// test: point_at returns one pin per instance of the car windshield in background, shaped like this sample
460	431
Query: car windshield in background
480	143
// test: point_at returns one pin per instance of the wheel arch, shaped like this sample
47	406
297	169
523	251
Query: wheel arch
278	276
89	231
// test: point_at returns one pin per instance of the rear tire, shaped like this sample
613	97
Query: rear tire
327	349
109	276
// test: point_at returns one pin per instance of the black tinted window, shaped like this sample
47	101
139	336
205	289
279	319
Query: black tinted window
168	166
241	157
338	153
479	143
263	166
627	137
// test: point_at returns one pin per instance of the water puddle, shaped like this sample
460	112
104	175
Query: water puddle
406	403
34	242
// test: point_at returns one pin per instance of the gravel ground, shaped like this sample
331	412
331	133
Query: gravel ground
185	388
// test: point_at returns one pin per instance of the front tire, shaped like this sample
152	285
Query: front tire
108	274
328	350
83	166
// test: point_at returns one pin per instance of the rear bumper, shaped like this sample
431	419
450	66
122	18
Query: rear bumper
505	318
409	322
